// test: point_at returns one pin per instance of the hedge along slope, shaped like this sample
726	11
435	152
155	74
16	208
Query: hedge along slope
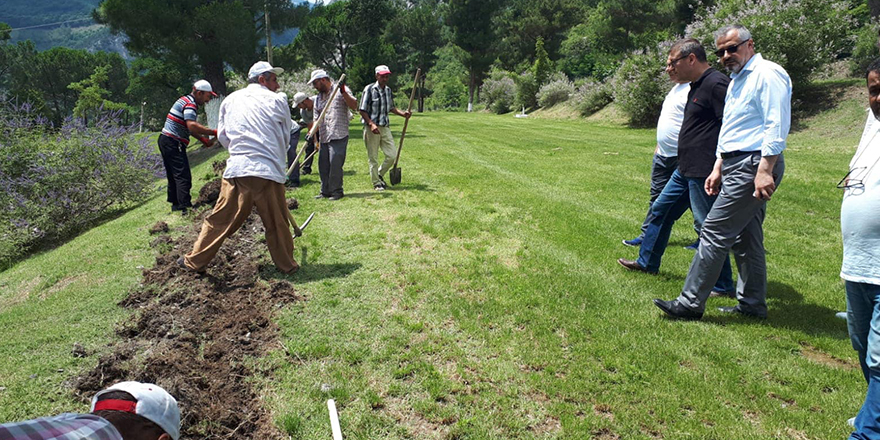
197	335
54	182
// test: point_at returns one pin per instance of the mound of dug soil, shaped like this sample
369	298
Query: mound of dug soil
197	335
209	194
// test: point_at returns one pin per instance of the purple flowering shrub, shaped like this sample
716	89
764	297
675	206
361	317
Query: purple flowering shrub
640	85
799	35
498	92
54	182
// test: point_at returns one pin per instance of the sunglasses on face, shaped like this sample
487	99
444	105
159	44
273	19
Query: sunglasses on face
730	49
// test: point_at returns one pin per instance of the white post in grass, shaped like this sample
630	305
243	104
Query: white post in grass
334	420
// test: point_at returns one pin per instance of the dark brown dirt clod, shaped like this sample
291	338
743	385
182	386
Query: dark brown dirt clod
209	193
292	204
159	228
194	335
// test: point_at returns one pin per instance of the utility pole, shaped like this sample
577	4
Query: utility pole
268	37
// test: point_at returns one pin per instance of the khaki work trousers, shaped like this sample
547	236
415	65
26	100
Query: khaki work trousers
375	141
238	196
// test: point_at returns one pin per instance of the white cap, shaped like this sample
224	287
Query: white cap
153	403
317	74
298	98
203	86
382	69
261	67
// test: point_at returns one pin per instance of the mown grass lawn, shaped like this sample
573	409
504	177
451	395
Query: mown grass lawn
481	299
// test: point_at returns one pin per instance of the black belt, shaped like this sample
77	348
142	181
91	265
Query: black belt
737	154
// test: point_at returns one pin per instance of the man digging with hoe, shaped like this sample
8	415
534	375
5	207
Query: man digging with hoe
254	126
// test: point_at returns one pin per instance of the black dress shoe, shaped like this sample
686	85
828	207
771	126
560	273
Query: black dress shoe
634	265
676	310
321	196
336	196
743	312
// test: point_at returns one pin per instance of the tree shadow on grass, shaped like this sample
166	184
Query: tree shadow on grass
816	98
787	310
312	272
199	156
368	195
412	186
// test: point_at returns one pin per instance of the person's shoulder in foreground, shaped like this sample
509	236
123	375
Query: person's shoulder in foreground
125	411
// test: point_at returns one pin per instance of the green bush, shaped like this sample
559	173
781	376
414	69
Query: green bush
799	35
865	49
592	96
640	85
557	90
526	90
498	92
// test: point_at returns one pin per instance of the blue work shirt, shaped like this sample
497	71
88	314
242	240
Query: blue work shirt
757	109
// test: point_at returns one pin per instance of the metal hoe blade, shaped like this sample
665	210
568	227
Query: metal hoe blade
306	223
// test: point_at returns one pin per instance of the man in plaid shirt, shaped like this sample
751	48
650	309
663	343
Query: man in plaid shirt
374	107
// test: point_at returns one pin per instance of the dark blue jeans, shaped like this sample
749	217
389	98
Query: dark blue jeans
863	321
678	194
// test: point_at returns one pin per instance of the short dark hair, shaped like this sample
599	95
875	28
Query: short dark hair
689	46
129	425
873	67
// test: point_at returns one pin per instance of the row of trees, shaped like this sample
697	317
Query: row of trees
458	44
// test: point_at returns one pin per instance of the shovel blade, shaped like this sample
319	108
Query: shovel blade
394	176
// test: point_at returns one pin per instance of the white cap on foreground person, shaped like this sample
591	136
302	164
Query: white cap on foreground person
125	411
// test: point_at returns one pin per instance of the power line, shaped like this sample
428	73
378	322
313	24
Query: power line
46	24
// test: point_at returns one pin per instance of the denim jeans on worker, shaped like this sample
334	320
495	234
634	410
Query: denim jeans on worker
679	194
863	321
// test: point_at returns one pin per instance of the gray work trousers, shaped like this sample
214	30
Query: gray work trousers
330	162
735	222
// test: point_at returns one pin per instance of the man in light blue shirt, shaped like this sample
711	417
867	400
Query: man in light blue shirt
755	125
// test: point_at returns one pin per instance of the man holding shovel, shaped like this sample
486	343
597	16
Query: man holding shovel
374	107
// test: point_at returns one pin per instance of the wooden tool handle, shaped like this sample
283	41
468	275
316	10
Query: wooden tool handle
318	121
406	122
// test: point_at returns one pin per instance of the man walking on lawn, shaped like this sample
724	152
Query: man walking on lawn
333	133
697	142
179	124
374	107
666	153
747	171
860	227
254	126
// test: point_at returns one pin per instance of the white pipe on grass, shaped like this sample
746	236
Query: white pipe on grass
334	420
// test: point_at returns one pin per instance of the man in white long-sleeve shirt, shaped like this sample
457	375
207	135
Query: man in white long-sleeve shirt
254	126
748	168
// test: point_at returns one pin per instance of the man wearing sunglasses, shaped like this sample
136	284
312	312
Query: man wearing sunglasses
697	142
860	227
748	168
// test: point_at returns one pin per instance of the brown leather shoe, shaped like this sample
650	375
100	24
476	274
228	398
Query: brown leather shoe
634	265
